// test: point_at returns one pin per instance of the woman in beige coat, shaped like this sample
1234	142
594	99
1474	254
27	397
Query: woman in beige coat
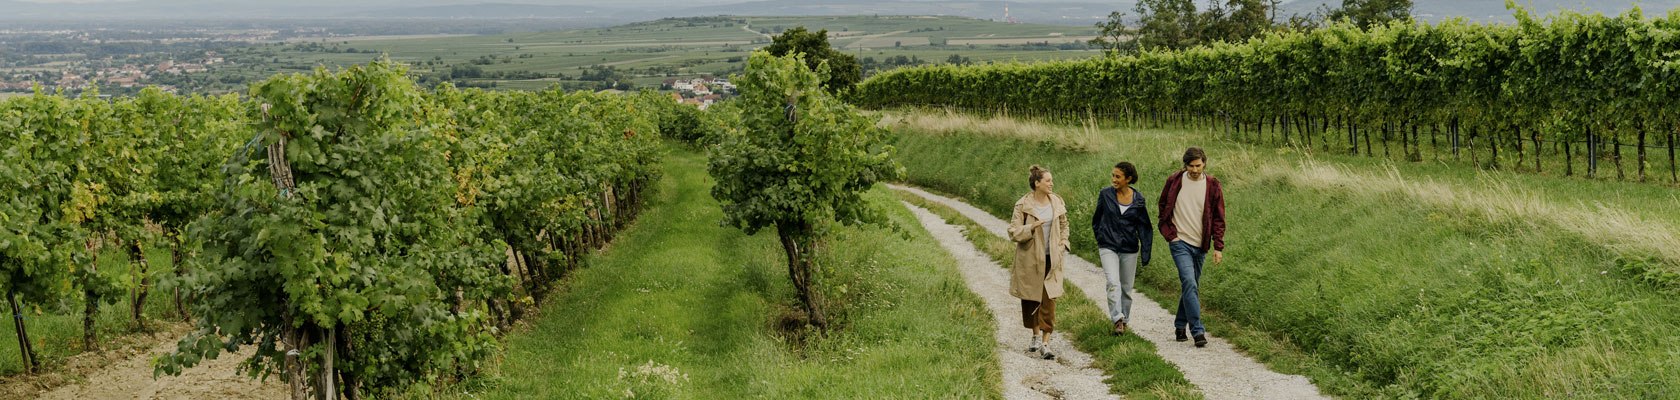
1039	227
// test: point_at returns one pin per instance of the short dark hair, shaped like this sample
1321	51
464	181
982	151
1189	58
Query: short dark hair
1193	154
1035	174
1126	167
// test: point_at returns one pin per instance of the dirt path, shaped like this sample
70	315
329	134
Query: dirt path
1024	377
211	379
1219	370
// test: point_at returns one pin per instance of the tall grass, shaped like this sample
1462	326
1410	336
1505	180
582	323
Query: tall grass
681	307
1364	276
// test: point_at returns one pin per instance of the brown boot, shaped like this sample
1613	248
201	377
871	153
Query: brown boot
1119	327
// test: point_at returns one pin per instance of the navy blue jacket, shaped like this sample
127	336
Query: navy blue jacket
1130	232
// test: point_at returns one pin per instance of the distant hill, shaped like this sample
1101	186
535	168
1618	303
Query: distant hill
501	10
1064	12
1494	10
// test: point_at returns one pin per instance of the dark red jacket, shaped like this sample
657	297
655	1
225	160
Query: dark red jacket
1213	214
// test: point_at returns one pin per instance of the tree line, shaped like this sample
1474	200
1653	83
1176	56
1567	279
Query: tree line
1582	87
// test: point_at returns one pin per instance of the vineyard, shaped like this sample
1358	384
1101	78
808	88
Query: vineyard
363	234
1583	88
356	235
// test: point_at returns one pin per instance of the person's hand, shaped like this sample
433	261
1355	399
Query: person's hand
1218	257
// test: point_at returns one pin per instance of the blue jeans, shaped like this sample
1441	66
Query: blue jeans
1189	260
1120	271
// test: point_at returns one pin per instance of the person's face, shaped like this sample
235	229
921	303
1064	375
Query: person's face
1118	178
1047	184
1195	168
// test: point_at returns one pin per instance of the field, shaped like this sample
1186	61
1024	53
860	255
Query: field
647	53
683	308
1377	278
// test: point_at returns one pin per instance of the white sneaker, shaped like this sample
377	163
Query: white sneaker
1035	345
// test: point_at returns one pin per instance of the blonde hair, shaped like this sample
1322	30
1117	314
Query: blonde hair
1035	174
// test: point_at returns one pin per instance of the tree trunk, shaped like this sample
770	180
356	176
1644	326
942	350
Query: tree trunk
1417	144
1385	133
1434	143
90	339
296	341
326	384
1640	125
1493	144
1568	159
180	271
1592	154
1367	134
1470	147
349	384
1673	169
30	364
1535	135
137	309
1616	153
1353	137
797	240
1516	139
1453	129
1325	129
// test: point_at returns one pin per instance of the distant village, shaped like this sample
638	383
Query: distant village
125	76
700	92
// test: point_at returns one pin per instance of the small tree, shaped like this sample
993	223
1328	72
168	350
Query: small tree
1368	13
844	73
1114	37
801	159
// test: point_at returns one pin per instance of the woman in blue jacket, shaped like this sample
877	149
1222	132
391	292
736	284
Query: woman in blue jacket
1122	227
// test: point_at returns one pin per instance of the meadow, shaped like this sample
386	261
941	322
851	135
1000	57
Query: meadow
1375	278
680	307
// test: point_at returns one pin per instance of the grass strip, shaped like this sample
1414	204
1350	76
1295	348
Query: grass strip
1134	369
681	307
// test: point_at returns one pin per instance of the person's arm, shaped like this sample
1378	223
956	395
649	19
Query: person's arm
1145	234
1165	219
1063	226
1216	204
1019	230
1096	216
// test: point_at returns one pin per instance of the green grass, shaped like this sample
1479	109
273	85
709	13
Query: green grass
680	307
56	332
1376	293
1133	367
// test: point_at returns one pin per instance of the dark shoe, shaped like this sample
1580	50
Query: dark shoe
1201	340
1179	335
1119	327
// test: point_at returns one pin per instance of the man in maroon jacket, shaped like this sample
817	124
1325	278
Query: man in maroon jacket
1192	220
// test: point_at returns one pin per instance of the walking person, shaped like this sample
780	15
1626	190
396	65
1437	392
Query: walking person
1039	228
1192	221
1124	235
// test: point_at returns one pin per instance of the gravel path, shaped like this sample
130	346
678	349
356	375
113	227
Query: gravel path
1069	376
211	379
1218	369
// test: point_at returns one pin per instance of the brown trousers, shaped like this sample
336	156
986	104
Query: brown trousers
1040	316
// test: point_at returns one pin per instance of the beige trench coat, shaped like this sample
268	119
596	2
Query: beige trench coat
1027	278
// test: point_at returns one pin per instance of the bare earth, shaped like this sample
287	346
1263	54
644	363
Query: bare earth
212	379
1025	376
1219	370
